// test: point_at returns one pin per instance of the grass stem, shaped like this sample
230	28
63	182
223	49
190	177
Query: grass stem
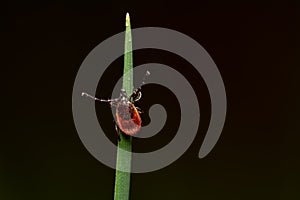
122	181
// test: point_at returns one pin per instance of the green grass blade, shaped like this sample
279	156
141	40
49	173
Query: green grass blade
122	181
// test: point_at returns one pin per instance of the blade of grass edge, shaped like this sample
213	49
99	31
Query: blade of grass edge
122	180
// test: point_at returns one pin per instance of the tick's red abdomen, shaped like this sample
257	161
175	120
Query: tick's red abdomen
128	118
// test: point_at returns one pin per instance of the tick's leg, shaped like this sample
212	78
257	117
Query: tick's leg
118	131
112	102
136	95
139	110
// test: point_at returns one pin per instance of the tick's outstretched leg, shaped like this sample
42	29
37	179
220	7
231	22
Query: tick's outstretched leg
136	95
112	102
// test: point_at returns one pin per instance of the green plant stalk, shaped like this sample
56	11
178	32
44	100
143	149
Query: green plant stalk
122	181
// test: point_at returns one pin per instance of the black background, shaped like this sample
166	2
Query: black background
255	46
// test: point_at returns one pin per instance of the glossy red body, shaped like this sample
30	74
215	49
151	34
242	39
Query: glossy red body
128	118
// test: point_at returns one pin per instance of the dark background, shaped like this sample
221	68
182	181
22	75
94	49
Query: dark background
255	46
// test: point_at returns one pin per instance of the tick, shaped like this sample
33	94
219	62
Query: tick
128	118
